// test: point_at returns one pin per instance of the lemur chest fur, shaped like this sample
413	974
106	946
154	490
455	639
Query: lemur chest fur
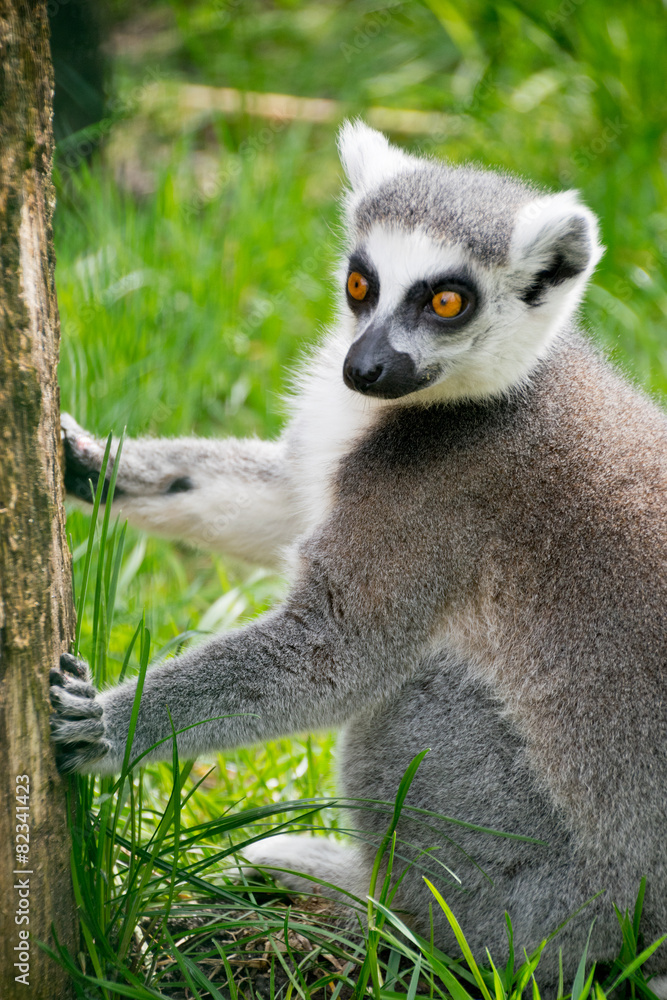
328	421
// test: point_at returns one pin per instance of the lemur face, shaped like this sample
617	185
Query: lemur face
415	309
456	280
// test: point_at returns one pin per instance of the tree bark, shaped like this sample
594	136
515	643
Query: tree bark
36	614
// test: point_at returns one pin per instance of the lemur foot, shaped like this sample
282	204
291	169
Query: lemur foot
77	727
83	460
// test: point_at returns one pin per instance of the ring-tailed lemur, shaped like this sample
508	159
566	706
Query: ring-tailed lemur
476	505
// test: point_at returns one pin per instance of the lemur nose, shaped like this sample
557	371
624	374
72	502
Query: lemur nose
358	378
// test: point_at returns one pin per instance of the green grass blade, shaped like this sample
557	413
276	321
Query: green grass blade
639	906
414	980
128	651
113	581
579	982
83	591
636	963
144	647
535	990
463	944
498	986
509	967
185	965
178	784
88	937
231	985
100	610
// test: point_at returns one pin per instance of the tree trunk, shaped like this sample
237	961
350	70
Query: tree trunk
36	614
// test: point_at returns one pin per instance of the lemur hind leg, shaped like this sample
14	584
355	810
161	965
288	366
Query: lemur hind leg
229	495
288	857
659	986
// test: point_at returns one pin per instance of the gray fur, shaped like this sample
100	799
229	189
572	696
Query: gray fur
239	498
484	577
459	205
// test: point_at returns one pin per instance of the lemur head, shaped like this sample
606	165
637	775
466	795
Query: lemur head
456	280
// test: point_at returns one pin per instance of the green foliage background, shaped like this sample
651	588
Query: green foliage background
195	249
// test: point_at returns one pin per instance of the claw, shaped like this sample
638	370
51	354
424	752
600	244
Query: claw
74	666
74	731
76	702
56	678
76	757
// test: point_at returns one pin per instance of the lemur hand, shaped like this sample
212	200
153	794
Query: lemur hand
83	459
77	725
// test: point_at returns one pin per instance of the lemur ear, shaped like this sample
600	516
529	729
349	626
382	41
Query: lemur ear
555	241
367	157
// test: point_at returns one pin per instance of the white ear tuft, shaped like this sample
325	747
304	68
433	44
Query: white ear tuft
555	239
367	157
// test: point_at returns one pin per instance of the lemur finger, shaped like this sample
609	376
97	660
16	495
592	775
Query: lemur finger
71	705
81	689
74	666
68	731
78	757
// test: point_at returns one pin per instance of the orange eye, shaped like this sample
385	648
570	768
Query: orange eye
357	286
447	304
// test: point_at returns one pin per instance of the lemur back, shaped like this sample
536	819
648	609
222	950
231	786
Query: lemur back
474	504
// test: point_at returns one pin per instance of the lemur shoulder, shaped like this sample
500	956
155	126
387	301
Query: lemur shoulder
475	505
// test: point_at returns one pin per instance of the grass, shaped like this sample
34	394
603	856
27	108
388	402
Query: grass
194	257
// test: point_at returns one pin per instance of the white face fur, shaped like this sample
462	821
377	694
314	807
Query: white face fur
518	260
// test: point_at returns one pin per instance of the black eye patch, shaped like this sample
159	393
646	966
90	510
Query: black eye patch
418	302
358	262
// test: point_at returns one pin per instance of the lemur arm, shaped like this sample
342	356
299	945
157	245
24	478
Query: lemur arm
229	495
311	663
